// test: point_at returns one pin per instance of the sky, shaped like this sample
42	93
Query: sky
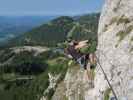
49	7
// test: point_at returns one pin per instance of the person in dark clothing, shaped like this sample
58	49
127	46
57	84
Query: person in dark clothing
86	61
73	52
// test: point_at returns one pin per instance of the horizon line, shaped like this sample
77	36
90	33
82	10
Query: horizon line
48	14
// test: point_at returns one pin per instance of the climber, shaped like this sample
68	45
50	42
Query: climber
73	51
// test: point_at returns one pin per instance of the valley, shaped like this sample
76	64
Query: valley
27	60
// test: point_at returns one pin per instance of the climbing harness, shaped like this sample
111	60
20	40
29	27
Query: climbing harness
106	78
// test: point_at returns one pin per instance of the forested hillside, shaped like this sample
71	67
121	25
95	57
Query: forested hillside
27	60
58	30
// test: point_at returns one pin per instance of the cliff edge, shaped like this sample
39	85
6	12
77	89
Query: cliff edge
115	50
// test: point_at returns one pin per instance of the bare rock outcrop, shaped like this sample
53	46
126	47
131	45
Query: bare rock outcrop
115	49
74	87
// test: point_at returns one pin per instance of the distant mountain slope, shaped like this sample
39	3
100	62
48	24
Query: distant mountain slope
89	24
12	26
59	29
47	34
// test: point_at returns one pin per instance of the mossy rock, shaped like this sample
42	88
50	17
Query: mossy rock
113	20
123	33
123	19
132	39
105	28
131	49
119	20
129	28
107	93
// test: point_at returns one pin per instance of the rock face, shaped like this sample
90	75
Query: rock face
74	86
115	50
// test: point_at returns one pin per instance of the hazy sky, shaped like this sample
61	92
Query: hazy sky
49	7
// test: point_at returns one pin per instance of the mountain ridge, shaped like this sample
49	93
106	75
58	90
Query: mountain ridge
57	28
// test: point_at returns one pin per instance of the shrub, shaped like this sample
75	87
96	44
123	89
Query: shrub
50	94
5	55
